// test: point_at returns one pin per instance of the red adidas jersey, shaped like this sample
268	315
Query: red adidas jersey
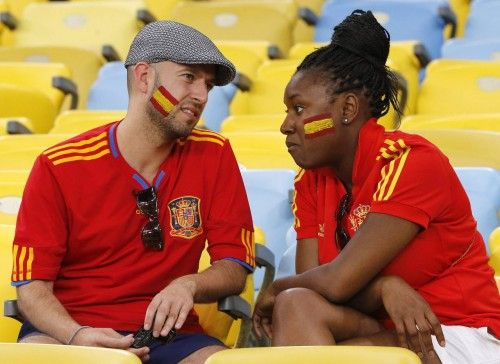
79	225
406	176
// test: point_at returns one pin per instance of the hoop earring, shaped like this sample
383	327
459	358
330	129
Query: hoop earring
345	121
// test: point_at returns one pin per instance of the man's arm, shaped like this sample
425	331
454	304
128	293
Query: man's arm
171	306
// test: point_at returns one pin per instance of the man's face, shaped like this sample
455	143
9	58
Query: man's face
189	84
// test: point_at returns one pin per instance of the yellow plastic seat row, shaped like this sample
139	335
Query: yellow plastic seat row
486	121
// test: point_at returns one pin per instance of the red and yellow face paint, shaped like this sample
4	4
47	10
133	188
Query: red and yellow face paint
163	101
318	125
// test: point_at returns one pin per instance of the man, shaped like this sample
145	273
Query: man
113	221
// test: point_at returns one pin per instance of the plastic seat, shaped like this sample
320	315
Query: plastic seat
482	22
109	91
487	122
494	246
482	186
87	24
78	121
479	49
8	328
16	7
423	20
316	354
49	353
253	123
460	87
11	193
261	150
271	21
82	64
464	147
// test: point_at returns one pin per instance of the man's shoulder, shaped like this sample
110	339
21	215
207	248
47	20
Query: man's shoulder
203	138
89	145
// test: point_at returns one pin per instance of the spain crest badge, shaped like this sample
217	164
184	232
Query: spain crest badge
185	218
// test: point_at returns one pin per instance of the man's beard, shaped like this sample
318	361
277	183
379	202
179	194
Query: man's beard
166	126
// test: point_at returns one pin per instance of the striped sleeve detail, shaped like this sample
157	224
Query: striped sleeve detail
298	177
397	152
199	135
84	150
247	238
22	262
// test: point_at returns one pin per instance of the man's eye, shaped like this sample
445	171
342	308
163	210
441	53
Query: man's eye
189	76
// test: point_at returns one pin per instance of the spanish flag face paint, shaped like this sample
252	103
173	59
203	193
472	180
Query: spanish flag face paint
163	101
318	125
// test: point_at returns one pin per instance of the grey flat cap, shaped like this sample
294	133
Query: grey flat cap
171	41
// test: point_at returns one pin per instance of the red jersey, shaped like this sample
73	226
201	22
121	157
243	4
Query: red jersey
406	176
79	225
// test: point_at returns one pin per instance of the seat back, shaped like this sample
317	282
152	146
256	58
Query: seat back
478	49
482	22
494	245
109	91
404	20
82	64
460	87
252	123
9	328
88	24
11	193
337	354
78	121
271	21
50	353
487	121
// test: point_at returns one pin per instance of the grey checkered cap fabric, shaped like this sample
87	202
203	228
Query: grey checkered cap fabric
171	41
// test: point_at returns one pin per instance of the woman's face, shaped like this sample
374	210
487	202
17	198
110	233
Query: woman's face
313	122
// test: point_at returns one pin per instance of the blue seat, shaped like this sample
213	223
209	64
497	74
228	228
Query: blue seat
482	22
482	186
268	193
422	20
109	92
464	48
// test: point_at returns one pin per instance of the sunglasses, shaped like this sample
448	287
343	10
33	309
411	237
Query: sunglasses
147	203
342	235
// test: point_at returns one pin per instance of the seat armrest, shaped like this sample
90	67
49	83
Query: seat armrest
308	15
11	310
9	20
235	306
68	87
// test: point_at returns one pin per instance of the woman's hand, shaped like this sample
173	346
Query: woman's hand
412	316
263	313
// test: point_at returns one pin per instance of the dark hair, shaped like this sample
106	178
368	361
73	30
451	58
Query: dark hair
355	60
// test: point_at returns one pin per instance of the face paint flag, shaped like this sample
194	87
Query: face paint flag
163	101
318	125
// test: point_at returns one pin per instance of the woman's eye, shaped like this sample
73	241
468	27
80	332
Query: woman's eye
298	109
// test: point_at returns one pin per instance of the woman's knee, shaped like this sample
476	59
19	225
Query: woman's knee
296	302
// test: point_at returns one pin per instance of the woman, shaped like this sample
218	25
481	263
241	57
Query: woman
387	252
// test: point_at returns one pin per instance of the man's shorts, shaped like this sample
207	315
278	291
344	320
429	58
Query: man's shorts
181	347
467	345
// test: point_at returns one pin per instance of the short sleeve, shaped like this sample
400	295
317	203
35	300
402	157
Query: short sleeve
415	186
41	230
304	207
230	227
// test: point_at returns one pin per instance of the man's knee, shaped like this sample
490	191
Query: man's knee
200	356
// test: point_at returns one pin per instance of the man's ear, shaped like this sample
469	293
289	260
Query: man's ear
142	74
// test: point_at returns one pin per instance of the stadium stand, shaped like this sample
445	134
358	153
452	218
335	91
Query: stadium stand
78	121
486	121
482	22
479	49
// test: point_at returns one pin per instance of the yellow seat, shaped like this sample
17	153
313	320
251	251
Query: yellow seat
460	87
86	24
8	328
83	64
271	21
497	279
252	123
261	150
464	147
78	121
19	121
49	353
461	10
494	243
247	56
487	121
16	7
316	354
40	110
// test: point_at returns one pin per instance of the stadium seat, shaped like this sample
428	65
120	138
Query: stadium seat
422	20
247	56
78	121
16	7
486	121
8	328
316	354
286	265
15	125
10	199
50	353
460	87
109	91
106	27
253	123
482	186
261	150
271	21
464	147
482	22
269	192
478	49
461	10
83	64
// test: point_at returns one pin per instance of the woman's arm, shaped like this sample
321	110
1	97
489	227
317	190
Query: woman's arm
306	256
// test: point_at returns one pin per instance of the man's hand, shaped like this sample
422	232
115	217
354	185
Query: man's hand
108	338
412	316
263	313
170	307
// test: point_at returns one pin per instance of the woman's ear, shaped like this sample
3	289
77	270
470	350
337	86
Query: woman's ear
350	108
